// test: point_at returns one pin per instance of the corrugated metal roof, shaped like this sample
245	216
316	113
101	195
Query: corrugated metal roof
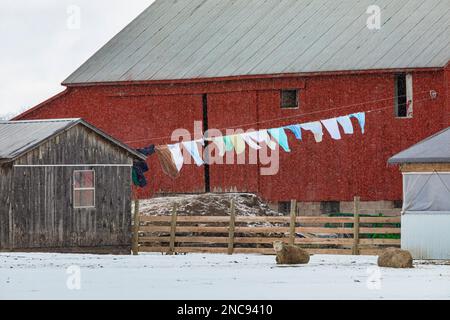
19	137
435	149
189	39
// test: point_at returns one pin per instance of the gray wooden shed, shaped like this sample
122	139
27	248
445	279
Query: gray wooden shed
65	186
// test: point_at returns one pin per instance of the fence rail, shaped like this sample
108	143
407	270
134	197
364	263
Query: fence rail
242	234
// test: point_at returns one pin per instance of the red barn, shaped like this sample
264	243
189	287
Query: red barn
234	63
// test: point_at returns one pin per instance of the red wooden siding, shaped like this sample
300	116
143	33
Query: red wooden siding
331	170
447	84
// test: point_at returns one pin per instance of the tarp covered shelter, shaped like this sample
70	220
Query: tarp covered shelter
426	193
426	171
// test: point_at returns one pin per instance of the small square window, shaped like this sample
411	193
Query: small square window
84	189
289	99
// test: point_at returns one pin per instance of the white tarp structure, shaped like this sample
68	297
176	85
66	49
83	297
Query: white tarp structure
426	219
426	198
426	192
426	215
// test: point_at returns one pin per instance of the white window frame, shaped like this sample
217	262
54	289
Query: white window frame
409	98
83	189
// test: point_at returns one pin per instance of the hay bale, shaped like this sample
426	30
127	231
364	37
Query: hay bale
287	254
395	258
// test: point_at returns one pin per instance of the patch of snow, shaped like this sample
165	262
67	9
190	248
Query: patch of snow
201	276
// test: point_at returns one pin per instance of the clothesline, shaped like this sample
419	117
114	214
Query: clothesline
172	159
299	116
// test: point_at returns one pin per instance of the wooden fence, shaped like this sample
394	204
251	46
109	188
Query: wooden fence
231	234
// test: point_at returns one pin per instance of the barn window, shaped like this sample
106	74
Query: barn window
289	99
284	207
84	189
330	207
403	95
398	204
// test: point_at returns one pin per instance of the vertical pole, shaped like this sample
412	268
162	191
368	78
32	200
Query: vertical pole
136	221
293	222
232	227
356	211
173	229
205	131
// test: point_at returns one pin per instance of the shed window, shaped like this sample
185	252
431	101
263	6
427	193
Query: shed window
289	99
403	96
84	189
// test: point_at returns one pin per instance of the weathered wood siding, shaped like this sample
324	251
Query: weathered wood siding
5	186
43	213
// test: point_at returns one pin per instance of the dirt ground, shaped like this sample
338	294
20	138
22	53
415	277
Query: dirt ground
210	204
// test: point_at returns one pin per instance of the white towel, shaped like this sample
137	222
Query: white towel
333	128
177	155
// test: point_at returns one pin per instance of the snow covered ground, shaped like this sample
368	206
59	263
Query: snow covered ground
197	276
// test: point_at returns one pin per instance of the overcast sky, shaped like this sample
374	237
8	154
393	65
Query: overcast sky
44	41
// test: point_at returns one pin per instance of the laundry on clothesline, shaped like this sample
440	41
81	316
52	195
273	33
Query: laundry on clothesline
138	173
172	158
167	162
147	151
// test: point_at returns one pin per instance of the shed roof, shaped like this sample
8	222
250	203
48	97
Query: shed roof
20	137
191	39
435	149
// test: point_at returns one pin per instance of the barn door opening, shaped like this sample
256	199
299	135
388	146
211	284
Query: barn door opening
205	129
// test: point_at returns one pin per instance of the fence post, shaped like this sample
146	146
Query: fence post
293	222
173	229
232	227
137	222
356	210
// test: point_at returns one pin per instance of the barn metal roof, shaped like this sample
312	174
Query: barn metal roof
435	149
20	137
189	39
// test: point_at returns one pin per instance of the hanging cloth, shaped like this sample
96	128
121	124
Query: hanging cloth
251	142
138	173
192	148
280	136
263	136
147	151
333	128
238	143
346	124
361	116
296	129
134	177
316	128
177	155
201	141
220	144
167	162
228	143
